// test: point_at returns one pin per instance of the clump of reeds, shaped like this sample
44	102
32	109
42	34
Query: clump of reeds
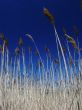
53	83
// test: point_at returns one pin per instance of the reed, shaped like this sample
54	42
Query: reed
53	83
41	95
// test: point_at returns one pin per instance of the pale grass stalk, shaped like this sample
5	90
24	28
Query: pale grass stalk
62	53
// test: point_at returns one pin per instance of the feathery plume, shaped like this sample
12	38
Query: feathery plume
72	41
69	37
73	44
48	14
51	18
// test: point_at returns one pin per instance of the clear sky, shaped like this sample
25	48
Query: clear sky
18	17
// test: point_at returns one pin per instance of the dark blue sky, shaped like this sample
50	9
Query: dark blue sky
18	17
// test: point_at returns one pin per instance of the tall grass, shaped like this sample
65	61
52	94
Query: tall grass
48	91
54	85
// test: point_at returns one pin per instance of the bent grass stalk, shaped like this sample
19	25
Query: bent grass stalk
62	53
51	18
37	97
35	46
61	75
49	95
70	56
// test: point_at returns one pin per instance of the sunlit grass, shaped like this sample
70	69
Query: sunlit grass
29	85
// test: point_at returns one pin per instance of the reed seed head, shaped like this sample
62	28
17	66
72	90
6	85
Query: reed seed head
48	14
